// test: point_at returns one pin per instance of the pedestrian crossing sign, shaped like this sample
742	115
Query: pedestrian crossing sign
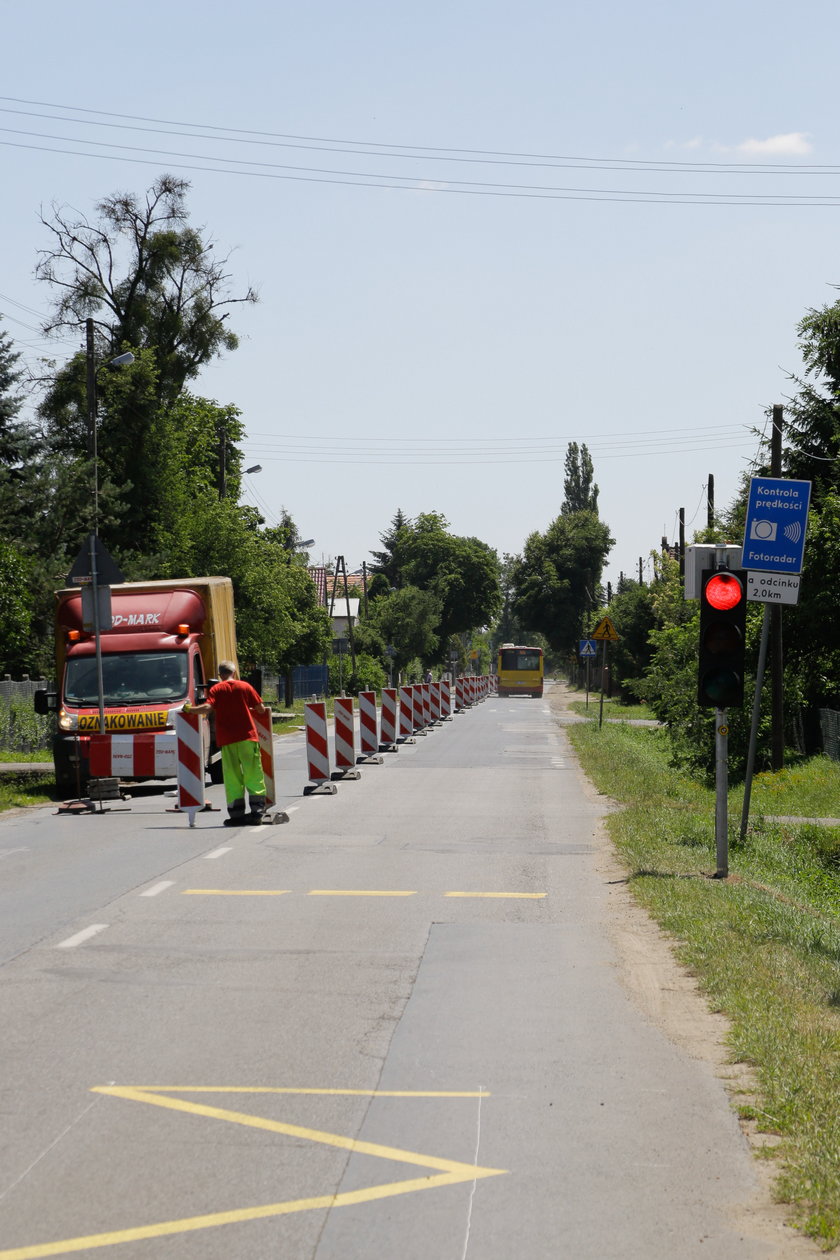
605	630
588	647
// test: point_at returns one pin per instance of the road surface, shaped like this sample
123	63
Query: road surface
394	1027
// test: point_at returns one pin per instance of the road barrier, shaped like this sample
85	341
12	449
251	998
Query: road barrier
345	739
265	731
446	701
368	737
460	694
317	748
434	698
150	755
418	714
406	713
189	733
389	719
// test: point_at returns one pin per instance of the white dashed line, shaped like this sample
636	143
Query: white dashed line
226	848
82	936
158	888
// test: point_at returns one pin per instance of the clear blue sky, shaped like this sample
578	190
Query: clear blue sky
434	342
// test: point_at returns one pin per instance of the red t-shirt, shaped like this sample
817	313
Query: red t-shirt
232	702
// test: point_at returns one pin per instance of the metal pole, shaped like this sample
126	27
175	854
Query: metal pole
603	678
97	638
721	793
93	446
756	713
776	651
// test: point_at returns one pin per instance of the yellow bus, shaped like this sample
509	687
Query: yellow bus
520	670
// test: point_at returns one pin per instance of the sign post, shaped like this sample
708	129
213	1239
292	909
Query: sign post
773	554
606	632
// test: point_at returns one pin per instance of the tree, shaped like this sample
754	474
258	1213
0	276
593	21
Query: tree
387	562
812	430
18	446
407	620
579	492
555	579
15	610
148	278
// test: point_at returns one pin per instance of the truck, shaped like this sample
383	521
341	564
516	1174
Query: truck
162	648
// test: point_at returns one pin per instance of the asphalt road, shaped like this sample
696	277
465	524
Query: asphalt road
393	1027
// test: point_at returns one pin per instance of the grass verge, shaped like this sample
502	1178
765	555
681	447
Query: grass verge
17	790
612	709
764	944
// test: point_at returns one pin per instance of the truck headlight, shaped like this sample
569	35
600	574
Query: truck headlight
67	721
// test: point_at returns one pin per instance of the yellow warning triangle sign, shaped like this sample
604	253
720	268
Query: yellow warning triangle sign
605	630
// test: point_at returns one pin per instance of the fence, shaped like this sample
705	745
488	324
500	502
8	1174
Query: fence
830	728
307	681
21	728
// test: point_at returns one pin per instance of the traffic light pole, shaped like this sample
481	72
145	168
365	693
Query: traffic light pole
721	794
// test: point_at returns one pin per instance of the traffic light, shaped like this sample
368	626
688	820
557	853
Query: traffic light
723	619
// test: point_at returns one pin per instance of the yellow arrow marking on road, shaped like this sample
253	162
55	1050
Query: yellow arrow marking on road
449	1172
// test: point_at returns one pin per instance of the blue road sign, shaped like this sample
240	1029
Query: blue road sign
777	517
588	647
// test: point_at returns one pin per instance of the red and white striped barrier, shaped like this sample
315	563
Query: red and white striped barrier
368	736
460	694
446	701
189	734
406	712
317	748
388	720
427	703
418	717
434	700
262	721
151	755
345	738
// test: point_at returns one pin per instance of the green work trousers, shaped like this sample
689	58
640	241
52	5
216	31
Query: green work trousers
242	770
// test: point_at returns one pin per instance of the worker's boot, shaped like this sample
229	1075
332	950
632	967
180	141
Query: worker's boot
236	813
257	806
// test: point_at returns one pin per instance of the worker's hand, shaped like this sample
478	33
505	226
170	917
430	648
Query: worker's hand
187	707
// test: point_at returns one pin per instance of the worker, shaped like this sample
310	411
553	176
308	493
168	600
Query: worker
233	703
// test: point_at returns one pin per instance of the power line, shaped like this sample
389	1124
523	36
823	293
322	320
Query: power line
287	139
330	176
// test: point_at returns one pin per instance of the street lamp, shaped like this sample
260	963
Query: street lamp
121	360
255	468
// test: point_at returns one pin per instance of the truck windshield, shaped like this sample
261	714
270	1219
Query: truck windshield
127	678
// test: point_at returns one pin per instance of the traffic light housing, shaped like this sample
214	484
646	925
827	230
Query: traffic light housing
723	621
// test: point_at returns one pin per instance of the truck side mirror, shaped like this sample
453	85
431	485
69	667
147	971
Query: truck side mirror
45	702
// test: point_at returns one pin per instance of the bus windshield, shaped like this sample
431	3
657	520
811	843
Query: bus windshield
519	658
127	678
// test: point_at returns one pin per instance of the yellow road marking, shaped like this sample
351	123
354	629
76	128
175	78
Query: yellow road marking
235	892
292	1089
360	892
450	1172
525	896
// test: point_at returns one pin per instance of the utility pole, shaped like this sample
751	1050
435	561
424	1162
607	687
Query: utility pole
710	502
641	577
777	704
682	544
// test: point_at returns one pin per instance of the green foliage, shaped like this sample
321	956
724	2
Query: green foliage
631	612
580	494
555	579
369	674
15	610
22	730
408	620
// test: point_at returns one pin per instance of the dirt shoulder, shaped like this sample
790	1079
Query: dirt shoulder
669	997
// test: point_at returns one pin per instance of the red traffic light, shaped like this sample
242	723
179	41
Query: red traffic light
724	591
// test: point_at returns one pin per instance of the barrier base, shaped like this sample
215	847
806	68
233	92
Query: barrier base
407	739
389	748
338	775
369	759
324	789
274	820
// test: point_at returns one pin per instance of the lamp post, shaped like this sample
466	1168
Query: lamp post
119	361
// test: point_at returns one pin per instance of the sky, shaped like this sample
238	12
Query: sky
478	232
